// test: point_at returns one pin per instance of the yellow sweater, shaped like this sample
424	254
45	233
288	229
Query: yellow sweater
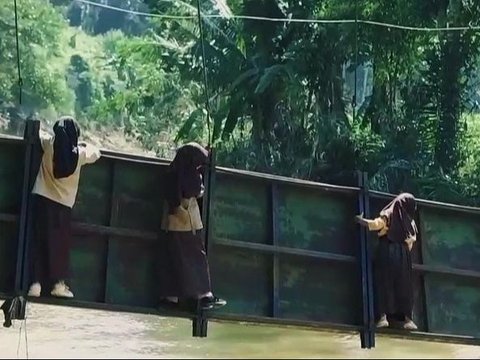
63	191
380	224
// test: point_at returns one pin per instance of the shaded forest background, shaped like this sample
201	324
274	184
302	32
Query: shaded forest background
282	94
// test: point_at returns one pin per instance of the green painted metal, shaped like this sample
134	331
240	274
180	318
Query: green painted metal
122	194
309	289
453	240
11	179
241	210
280	250
231	267
316	220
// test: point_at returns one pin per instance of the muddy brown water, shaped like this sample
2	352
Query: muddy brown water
64	332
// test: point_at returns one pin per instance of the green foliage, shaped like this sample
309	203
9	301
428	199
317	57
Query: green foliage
281	94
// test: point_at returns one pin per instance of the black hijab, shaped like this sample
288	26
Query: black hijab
65	147
184	180
400	214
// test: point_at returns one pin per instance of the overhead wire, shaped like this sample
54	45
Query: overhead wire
17	44
288	19
205	75
199	16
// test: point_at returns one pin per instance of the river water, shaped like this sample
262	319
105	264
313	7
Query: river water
63	332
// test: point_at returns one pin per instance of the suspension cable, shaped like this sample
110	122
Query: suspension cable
468	27
205	75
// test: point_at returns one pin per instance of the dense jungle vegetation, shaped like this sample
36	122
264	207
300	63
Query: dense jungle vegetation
283	95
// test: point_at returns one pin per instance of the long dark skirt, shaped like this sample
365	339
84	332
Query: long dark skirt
183	265
51	241
393	275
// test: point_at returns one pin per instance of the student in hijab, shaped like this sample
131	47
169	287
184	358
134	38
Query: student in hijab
185	272
397	233
55	191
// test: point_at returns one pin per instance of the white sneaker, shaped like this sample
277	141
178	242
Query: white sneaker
410	325
35	290
383	322
61	290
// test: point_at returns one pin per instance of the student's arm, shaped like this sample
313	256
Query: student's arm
89	153
373	225
44	138
410	241
376	224
202	190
